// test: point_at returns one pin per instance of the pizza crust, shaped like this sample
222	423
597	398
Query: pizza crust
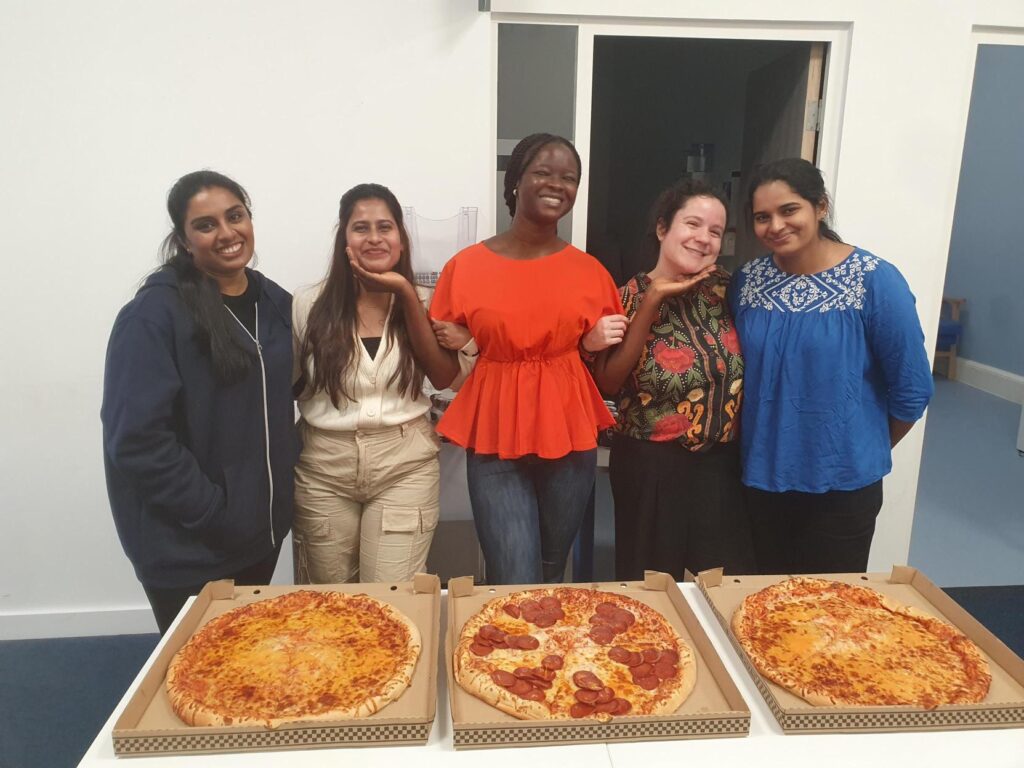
837	644
569	639
300	646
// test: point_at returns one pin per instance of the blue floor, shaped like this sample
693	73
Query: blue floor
969	520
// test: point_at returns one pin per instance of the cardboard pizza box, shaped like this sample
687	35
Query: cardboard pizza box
1002	708
148	725
715	707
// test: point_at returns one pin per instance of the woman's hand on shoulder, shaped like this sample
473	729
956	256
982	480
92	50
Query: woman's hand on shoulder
665	287
451	335
390	282
607	332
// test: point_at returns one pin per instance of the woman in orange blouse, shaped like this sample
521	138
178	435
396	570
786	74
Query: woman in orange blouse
678	374
529	413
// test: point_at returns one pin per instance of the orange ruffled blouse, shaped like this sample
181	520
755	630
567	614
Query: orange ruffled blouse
529	392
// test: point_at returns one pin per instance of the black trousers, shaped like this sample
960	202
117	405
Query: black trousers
167	602
677	510
797	532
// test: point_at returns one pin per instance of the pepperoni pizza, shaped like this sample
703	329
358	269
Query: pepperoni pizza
841	644
566	652
305	655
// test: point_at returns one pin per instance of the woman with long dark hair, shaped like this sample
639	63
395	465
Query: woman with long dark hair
836	375
198	435
529	413
368	481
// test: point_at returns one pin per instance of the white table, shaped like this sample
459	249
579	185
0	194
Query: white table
765	747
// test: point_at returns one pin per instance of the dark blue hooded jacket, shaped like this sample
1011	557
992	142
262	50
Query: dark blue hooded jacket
186	456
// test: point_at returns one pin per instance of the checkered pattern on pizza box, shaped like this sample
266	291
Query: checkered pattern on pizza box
148	725
477	724
1003	708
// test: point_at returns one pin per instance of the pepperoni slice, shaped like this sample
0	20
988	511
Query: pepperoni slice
619	654
648	683
519	687
534	694
499	644
642	670
607	708
669	656
579	709
523	672
481	640
552	662
618	627
550	603
623	616
602	634
527	642
664	671
542	684
503	678
650	655
558	613
540	673
635	659
622	706
545	620
512	610
598	619
588	680
605	695
587	697
606	609
480	650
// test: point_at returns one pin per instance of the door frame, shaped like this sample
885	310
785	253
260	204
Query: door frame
836	35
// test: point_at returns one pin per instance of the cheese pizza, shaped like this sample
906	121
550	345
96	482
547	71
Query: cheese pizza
841	644
305	655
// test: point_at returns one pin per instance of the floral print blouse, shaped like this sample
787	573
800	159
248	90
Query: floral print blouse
688	384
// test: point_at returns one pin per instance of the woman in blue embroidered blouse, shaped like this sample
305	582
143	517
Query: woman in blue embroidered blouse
836	374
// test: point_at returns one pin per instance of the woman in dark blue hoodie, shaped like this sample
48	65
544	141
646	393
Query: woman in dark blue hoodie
199	442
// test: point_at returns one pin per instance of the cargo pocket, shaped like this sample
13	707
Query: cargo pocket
409	519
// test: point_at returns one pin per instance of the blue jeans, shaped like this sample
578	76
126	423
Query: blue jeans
527	512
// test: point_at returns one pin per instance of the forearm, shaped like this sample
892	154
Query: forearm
612	368
439	364
898	430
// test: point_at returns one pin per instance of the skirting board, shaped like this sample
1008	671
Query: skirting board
995	381
115	621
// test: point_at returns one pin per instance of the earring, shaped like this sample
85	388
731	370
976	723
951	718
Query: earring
515	191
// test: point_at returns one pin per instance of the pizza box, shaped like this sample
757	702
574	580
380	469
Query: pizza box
148	725
1002	708
715	707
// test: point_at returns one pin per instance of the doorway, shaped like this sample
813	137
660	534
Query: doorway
664	108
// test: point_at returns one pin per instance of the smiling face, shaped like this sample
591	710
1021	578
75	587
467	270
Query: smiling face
786	223
373	235
547	189
218	233
693	239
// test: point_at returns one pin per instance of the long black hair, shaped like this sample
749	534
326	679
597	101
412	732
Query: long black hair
215	328
330	337
804	179
523	155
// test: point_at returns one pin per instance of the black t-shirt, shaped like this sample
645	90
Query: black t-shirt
244	306
372	344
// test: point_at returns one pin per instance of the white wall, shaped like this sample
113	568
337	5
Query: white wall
106	103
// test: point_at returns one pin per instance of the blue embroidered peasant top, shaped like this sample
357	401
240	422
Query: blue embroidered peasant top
829	358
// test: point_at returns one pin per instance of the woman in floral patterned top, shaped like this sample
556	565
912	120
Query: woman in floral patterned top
678	377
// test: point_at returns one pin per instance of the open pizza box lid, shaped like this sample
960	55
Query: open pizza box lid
148	725
715	708
1002	708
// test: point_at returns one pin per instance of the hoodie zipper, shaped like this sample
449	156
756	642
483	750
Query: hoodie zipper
266	418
